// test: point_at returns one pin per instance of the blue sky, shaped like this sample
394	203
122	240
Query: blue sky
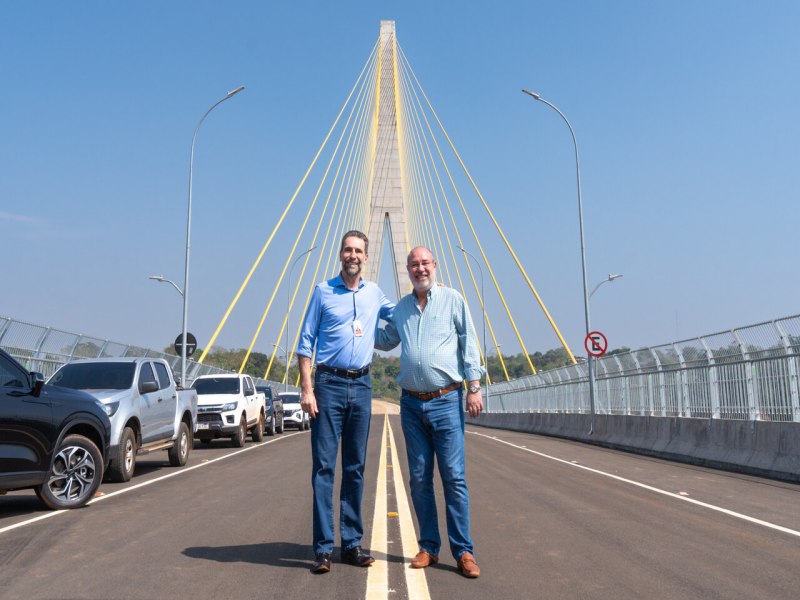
685	112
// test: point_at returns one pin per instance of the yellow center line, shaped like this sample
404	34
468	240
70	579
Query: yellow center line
378	576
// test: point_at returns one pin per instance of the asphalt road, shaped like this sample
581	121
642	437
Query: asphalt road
550	519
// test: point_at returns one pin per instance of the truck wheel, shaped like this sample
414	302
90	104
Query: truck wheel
257	432
75	475
279	427
271	426
237	441
179	453
124	462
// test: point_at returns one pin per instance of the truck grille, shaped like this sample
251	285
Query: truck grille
209	418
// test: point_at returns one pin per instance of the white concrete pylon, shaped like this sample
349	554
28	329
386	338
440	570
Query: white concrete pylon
387	222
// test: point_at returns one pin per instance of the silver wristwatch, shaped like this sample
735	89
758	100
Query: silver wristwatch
474	389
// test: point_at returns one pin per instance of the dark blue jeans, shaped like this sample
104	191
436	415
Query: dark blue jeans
436	427
345	409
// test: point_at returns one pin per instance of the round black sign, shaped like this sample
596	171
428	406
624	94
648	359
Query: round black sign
191	344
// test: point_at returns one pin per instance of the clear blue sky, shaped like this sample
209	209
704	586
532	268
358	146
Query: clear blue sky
686	115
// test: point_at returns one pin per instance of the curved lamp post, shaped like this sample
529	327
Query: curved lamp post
163	279
288	302
286	375
589	360
185	294
610	278
483	306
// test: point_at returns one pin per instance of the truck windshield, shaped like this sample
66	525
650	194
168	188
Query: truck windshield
290	398
214	385
95	376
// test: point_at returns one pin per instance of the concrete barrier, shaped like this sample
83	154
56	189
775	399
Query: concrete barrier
763	448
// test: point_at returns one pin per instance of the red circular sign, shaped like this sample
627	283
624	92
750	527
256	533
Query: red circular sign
595	343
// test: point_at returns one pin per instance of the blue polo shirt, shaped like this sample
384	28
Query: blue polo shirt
342	322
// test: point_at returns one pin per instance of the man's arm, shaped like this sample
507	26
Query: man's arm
387	337
470	355
308	401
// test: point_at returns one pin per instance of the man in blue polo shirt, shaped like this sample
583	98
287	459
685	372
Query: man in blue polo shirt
341	320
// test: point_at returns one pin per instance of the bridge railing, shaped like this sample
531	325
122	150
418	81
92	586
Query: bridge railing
44	349
746	373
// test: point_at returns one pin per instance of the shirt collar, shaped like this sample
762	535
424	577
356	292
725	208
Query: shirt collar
339	282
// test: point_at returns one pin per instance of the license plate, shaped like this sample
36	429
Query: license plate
203	426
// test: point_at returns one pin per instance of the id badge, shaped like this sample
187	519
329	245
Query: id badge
358	329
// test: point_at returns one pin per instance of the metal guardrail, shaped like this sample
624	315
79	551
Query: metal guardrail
746	373
44	349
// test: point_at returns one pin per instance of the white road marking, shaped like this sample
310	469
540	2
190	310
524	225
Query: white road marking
143	484
416	583
649	487
378	573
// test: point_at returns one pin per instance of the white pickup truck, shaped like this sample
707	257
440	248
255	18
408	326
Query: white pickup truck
146	409
229	405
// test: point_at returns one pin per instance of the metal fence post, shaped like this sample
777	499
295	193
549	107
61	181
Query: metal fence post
791	364
753	405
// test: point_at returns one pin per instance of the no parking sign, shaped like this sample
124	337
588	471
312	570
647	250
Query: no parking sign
596	344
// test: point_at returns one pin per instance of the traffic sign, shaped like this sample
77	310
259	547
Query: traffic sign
595	343
191	344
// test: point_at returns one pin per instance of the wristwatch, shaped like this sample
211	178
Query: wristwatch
474	389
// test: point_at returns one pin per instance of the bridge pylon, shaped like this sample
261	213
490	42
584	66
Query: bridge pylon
386	227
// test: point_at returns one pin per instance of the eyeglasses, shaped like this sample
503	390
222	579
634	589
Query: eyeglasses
423	264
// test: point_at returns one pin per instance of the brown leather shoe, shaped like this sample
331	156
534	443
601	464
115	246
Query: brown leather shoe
468	567
424	559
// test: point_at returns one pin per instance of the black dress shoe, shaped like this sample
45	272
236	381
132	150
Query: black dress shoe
321	564
356	556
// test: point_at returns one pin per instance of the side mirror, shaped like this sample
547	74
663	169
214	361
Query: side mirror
148	386
36	382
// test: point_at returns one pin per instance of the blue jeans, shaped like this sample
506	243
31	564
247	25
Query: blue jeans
345	409
436	427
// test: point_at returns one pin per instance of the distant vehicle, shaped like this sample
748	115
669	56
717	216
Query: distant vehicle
148	412
229	406
51	439
273	422
292	413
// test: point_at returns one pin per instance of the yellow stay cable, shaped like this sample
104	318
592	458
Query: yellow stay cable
280	221
299	236
351	150
497	226
456	230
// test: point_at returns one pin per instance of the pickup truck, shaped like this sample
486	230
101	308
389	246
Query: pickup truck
147	410
228	405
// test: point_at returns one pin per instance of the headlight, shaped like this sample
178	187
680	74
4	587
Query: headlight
111	408
229	406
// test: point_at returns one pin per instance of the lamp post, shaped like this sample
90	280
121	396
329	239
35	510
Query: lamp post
483	306
163	279
286	374
288	302
589	361
610	278
185	294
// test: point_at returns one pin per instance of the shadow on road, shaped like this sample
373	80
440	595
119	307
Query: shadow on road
278	554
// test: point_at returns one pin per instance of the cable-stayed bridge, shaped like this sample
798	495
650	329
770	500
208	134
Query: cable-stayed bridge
387	166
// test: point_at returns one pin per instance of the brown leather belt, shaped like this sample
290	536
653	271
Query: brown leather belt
434	394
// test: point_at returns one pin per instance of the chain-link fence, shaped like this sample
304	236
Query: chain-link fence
44	349
747	373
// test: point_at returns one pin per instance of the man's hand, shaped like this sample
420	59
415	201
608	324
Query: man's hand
308	403
474	404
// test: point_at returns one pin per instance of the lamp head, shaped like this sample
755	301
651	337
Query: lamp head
534	95
236	91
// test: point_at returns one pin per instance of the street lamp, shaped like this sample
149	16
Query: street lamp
286	375
163	279
288	302
185	294
483	306
610	278
589	361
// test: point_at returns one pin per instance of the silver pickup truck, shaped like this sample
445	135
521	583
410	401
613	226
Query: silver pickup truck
146	409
